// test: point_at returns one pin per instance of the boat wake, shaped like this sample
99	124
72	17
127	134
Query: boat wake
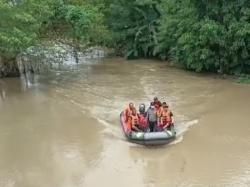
181	128
110	129
113	130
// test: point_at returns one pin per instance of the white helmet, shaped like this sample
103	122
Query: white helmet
142	108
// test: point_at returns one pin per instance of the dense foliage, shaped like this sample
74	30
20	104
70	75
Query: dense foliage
135	24
202	35
207	35
199	34
25	22
19	25
80	21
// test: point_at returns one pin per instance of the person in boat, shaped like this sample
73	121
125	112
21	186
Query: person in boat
157	103
152	117
163	104
142	117
134	120
166	118
128	111
159	110
158	107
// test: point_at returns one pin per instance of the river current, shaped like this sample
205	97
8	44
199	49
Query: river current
62	129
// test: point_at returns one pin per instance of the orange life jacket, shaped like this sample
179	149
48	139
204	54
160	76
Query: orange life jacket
159	111
129	125
166	117
127	113
134	120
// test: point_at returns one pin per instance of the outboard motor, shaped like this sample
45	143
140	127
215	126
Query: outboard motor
142	108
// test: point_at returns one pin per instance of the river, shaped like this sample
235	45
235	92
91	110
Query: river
62	129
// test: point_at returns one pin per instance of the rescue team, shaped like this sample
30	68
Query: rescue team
158	117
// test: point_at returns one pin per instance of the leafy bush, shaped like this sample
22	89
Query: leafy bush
207	35
135	26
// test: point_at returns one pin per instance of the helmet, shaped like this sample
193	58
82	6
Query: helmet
142	108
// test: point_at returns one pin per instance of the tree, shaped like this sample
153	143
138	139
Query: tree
207	35
80	22
24	23
134	23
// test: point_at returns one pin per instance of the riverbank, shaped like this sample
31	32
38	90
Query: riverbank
8	68
49	56
40	59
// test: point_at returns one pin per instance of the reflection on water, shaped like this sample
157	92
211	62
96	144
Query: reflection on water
63	129
2	91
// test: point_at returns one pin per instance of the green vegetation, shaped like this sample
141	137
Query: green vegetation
79	21
26	22
135	26
207	35
243	78
199	34
19	25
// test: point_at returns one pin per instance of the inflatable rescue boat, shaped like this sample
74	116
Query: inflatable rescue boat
147	138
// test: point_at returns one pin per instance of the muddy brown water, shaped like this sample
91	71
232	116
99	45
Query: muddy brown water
62	129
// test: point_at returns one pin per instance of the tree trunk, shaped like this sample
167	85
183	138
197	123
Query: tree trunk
75	54
76	49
